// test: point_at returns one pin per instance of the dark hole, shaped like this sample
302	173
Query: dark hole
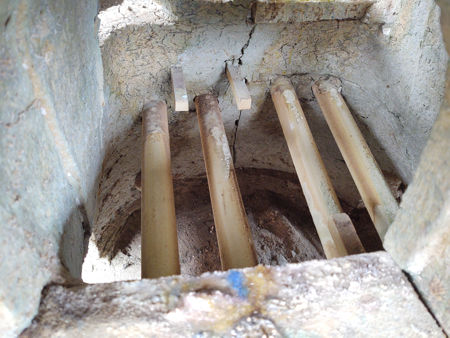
7	20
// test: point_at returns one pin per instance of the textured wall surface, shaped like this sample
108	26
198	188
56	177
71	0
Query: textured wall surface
50	146
356	296
419	238
380	65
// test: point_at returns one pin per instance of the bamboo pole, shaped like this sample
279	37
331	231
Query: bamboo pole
375	193
348	234
233	232
158	224
316	185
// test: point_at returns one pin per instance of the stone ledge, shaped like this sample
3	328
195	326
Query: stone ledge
362	295
275	11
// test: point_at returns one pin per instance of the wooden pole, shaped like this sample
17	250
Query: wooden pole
375	193
158	225
316	185
233	232
348	234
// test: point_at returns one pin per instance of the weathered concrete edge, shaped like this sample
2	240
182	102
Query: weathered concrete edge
308	11
418	239
248	290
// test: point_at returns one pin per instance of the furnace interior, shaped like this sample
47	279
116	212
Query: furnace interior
371	57
74	76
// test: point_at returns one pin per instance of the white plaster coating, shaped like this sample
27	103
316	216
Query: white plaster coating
222	143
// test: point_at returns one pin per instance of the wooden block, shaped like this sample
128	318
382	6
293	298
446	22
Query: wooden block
179	89
348	234
240	90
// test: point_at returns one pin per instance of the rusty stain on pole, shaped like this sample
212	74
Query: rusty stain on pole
316	185
375	193
233	232
158	224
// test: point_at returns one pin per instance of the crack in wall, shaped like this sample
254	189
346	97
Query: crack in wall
245	46
236	122
233	147
423	300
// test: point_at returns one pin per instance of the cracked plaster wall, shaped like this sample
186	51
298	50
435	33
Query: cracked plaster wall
384	69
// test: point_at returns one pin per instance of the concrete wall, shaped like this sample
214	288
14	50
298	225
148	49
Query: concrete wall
50	146
419	238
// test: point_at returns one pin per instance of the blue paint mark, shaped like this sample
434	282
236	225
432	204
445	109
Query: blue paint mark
237	281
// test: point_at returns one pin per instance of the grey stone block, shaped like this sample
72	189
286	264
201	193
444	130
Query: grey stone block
363	295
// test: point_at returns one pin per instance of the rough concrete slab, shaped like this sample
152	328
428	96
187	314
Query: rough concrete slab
359	296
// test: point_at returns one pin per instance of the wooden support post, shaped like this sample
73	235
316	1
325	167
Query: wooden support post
348	234
158	225
376	195
316	185
239	88
179	89
233	232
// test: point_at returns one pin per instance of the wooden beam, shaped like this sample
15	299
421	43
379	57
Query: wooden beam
239	88
159	245
316	185
233	232
375	193
348	234
179	89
